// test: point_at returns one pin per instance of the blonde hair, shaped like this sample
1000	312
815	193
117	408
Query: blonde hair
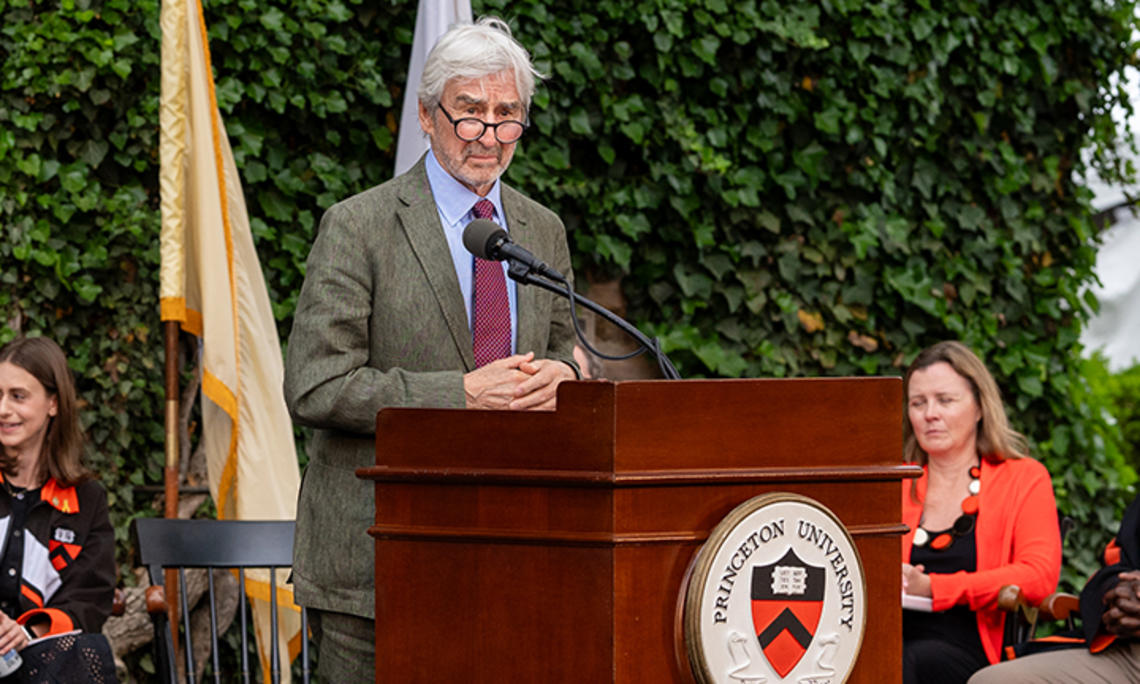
995	437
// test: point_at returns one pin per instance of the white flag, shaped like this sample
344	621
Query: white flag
433	18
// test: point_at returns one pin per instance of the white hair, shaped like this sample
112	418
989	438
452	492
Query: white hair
474	51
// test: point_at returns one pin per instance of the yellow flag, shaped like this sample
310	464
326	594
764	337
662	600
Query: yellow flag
211	283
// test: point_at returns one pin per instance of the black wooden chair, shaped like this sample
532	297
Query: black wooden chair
214	544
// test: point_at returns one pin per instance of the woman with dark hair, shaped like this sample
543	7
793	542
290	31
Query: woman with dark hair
57	559
981	516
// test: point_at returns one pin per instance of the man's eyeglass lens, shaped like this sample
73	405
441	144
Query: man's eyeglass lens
470	129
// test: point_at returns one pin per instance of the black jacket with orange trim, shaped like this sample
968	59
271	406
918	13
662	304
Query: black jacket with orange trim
68	571
1121	555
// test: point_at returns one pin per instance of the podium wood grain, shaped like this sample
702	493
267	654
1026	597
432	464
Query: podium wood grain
554	547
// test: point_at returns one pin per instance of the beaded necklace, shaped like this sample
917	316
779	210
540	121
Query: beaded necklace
963	525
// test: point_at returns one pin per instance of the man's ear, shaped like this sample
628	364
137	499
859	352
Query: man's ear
426	122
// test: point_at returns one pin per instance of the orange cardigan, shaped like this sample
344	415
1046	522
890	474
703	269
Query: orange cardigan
1018	542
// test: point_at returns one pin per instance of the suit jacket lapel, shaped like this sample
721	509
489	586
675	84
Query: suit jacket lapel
420	220
523	233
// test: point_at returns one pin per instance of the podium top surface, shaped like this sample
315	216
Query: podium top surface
643	426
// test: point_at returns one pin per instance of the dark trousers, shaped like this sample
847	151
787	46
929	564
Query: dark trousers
933	661
346	647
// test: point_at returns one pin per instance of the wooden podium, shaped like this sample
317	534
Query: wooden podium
516	547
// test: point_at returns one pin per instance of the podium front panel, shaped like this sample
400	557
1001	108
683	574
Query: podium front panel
558	551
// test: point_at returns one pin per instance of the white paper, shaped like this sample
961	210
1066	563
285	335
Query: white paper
921	603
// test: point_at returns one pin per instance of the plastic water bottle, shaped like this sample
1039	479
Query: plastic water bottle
10	662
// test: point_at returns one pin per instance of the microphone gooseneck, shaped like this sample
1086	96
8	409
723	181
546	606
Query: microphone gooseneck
487	240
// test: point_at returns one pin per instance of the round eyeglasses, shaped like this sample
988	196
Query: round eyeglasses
471	129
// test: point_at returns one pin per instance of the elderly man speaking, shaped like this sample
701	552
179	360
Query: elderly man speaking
395	312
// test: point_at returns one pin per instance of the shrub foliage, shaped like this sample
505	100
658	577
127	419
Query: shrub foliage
821	189
828	188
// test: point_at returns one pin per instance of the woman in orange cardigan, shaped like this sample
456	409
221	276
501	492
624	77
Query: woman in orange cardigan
982	515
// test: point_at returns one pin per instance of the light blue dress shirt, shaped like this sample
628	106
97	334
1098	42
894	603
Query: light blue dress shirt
454	202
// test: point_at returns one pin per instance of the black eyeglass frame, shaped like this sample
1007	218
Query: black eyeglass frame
493	126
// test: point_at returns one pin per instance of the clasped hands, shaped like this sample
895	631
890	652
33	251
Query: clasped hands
1122	606
518	382
915	581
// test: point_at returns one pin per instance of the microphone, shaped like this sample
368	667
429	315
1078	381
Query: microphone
486	240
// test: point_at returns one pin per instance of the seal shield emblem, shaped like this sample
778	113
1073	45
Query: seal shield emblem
787	600
782	567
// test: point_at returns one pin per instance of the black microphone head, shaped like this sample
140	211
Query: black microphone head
481	237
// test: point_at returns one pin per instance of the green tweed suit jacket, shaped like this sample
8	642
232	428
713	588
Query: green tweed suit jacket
380	321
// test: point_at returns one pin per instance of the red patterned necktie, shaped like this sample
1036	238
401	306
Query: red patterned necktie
492	312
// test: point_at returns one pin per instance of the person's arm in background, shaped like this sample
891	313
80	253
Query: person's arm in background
1110	600
1035	559
83	600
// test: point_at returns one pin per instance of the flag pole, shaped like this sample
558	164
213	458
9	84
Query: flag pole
170	476
172	442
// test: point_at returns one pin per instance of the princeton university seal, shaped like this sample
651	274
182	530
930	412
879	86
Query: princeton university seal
776	595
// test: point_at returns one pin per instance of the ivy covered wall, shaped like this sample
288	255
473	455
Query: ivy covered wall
815	189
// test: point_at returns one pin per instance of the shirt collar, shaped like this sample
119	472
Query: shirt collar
454	199
63	499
